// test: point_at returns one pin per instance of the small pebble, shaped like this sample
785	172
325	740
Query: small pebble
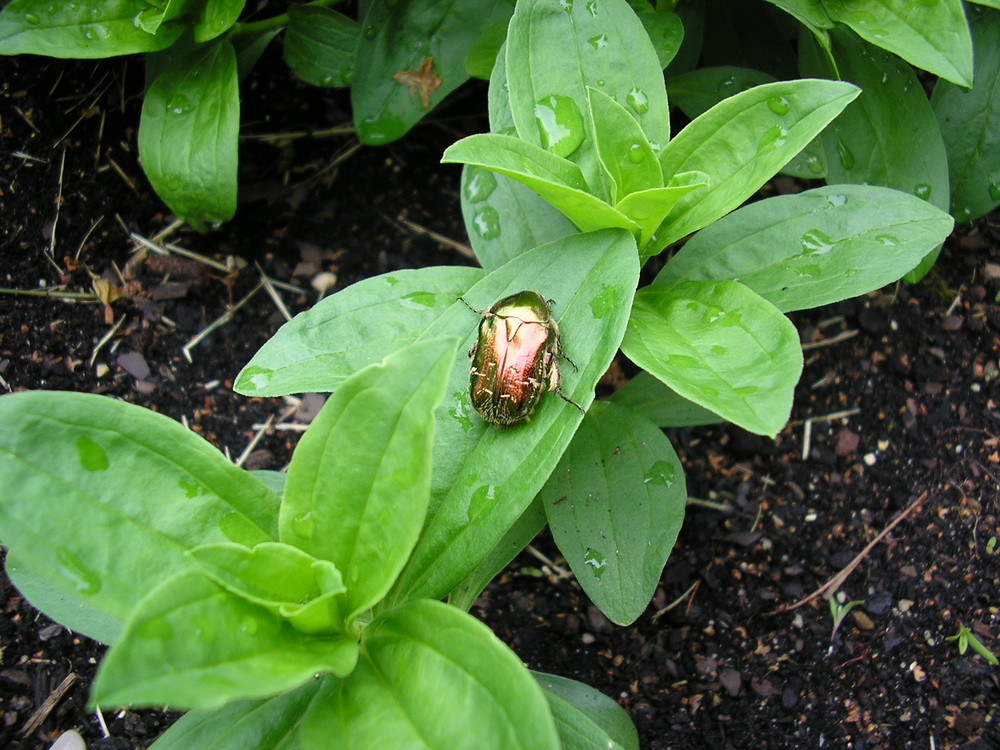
69	741
134	364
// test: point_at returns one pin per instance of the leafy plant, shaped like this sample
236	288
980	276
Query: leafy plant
257	600
838	611
400	59
966	638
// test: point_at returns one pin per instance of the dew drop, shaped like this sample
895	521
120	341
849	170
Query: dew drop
92	456
772	137
32	18
923	190
480	185
370	31
599	42
84	580
248	626
303	525
178	105
596	561
813	164
560	124
566	5
484	498
661	473
779	105
963	214
592	8
638	101
815	242
487	223
837	200
995	190
204	629
636	153
845	155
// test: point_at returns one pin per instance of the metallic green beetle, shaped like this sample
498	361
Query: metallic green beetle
515	359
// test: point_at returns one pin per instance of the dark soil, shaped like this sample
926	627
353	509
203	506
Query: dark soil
909	374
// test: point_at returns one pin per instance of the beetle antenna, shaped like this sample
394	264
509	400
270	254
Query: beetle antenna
477	312
568	400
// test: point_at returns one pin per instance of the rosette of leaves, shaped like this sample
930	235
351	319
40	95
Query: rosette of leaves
400	59
258	600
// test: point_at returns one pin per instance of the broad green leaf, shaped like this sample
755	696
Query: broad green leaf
697	91
189	132
720	345
64	29
931	35
268	724
622	149
693	18
190	644
586	718
392	73
87	477
485	477
352	329
216	17
555	179
988	4
664	407
285	580
359	480
482	56
513	543
151	19
813	16
603	45
503	218
615	504
888	136
816	247
320	45
664	28
648	208
741	142
46	597
431	676
970	125
273	480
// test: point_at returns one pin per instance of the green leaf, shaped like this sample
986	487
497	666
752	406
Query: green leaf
249	48
349	330
216	17
603	45
970	125
615	505
720	345
190	644
46	597
664	28
268	724
283	579
697	91
664	407
586	718
431	676
189	132
482	56
485	477
555	179
321	44
398	39
503	218
71	464
510	546
359	480
648	208
816	247
151	19
889	135
933	36
63	29
622	148
741	142
813	16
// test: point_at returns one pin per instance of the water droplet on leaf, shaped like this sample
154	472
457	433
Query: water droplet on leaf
84	580
480	184
636	153
779	105
560	124
923	190
599	42
487	223
92	456
845	155
815	242
637	100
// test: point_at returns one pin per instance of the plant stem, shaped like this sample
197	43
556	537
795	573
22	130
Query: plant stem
275	22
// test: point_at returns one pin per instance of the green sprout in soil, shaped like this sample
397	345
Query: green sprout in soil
966	638
839	610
